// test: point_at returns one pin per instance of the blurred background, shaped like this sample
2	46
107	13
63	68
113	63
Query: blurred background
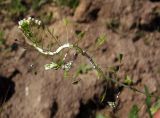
105	29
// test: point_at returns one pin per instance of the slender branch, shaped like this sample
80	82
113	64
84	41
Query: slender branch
54	37
85	54
101	73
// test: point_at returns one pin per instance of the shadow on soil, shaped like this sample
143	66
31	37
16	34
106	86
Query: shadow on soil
7	89
154	25
89	109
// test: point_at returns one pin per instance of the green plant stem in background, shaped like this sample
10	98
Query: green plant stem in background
2	40
53	36
148	101
95	66
36	4
70	3
155	107
17	8
134	112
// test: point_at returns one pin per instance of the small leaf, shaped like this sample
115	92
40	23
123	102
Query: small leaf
2	41
103	97
128	80
120	57
80	34
65	74
65	21
51	66
113	24
82	69
155	107
114	69
100	116
133	112
148	101
101	40
69	3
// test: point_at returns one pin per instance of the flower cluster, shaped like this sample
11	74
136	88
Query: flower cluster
28	21
64	66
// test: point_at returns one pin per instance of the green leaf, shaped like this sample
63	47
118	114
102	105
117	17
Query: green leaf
17	7
65	74
120	57
133	112
114	69
155	107
52	65
36	4
100	116
113	24
70	3
148	101
47	17
65	21
103	96
101	40
2	41
82	69
80	34
128	80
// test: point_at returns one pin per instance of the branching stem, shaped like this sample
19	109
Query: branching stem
85	54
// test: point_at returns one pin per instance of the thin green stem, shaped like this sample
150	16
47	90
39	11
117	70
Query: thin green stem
53	36
100	72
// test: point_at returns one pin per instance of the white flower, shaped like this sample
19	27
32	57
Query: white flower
20	22
36	21
29	18
67	66
39	23
28	21
32	19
